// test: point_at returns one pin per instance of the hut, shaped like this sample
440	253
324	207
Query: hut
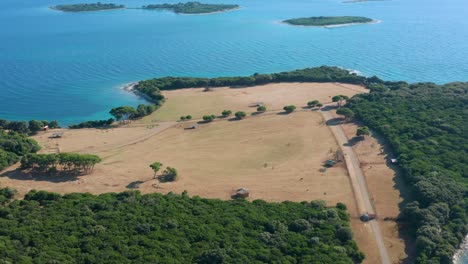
45	128
241	193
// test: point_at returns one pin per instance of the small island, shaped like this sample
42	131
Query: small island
192	8
322	21
87	7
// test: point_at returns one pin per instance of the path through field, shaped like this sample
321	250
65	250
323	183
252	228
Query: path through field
358	182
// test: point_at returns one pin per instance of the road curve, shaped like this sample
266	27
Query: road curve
358	182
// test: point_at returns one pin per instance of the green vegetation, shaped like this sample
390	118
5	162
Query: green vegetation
193	7
362	131
156	166
93	124
426	125
87	7
327	21
226	113
13	145
152	87
169	175
339	99
83	163
289	108
240	114
132	228
346	112
187	117
261	109
31	127
125	113
313	103
209	118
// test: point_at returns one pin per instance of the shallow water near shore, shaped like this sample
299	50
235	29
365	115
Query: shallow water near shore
71	66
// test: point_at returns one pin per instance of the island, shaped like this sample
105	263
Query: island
87	7
322	21
193	8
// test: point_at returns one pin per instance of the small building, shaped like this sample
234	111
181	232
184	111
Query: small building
45	128
330	163
394	160
241	193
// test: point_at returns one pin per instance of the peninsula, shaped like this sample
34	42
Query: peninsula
87	7
193	8
322	21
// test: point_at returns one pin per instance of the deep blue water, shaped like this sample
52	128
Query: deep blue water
70	66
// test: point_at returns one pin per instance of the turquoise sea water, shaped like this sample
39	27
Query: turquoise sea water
70	66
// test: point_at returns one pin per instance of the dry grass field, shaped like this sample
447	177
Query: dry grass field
197	103
276	156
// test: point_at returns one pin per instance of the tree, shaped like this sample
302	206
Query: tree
169	175
123	113
188	117
261	108
182	118
208	118
346	112
18	126
363	131
289	108
54	124
226	113
35	125
339	99
240	114
142	110
313	103
319	105
344	234
156	166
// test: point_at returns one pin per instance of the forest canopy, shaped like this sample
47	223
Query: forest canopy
87	7
192	7
327	21
132	228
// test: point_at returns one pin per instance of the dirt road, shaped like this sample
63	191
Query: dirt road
358	181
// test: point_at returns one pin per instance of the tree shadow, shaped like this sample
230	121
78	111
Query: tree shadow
55	177
134	185
284	113
334	121
353	141
329	107
234	119
257	113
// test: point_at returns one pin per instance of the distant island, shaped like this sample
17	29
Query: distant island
328	21
360	1
87	7
193	7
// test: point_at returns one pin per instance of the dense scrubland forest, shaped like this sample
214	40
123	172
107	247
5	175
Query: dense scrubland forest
87	7
327	21
154	228
426	125
192	7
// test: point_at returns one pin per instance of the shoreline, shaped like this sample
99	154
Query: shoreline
87	11
463	248
375	21
130	87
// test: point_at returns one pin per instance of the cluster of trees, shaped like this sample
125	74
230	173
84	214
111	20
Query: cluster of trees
314	103
426	125
327	21
339	99
187	117
132	228
124	113
318	74
192	7
289	108
64	161
226	113
13	145
169	174
93	124
208	118
87	7
33	126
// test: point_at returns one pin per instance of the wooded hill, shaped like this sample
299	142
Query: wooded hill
132	228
